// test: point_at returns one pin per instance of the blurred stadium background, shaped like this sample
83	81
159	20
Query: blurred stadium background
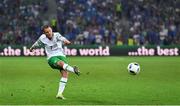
122	25
101	22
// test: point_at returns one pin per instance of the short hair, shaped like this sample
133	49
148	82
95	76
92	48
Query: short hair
44	27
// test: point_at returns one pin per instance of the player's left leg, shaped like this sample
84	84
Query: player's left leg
62	84
60	62
69	68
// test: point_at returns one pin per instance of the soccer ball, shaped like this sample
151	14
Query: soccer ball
133	68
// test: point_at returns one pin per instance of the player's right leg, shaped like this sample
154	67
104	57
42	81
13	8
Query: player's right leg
62	84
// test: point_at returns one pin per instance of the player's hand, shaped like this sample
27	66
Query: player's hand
67	42
31	49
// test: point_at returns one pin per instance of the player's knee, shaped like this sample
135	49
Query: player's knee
60	63
64	74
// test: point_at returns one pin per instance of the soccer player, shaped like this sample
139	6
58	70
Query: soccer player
53	42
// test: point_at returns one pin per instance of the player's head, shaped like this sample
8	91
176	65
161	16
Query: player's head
47	30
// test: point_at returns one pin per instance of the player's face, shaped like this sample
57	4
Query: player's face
48	32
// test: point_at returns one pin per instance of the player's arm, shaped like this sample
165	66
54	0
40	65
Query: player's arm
36	44
65	41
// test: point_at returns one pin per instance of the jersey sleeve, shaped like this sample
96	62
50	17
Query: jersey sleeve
60	37
38	43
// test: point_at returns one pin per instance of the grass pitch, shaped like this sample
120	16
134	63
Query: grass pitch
104	81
